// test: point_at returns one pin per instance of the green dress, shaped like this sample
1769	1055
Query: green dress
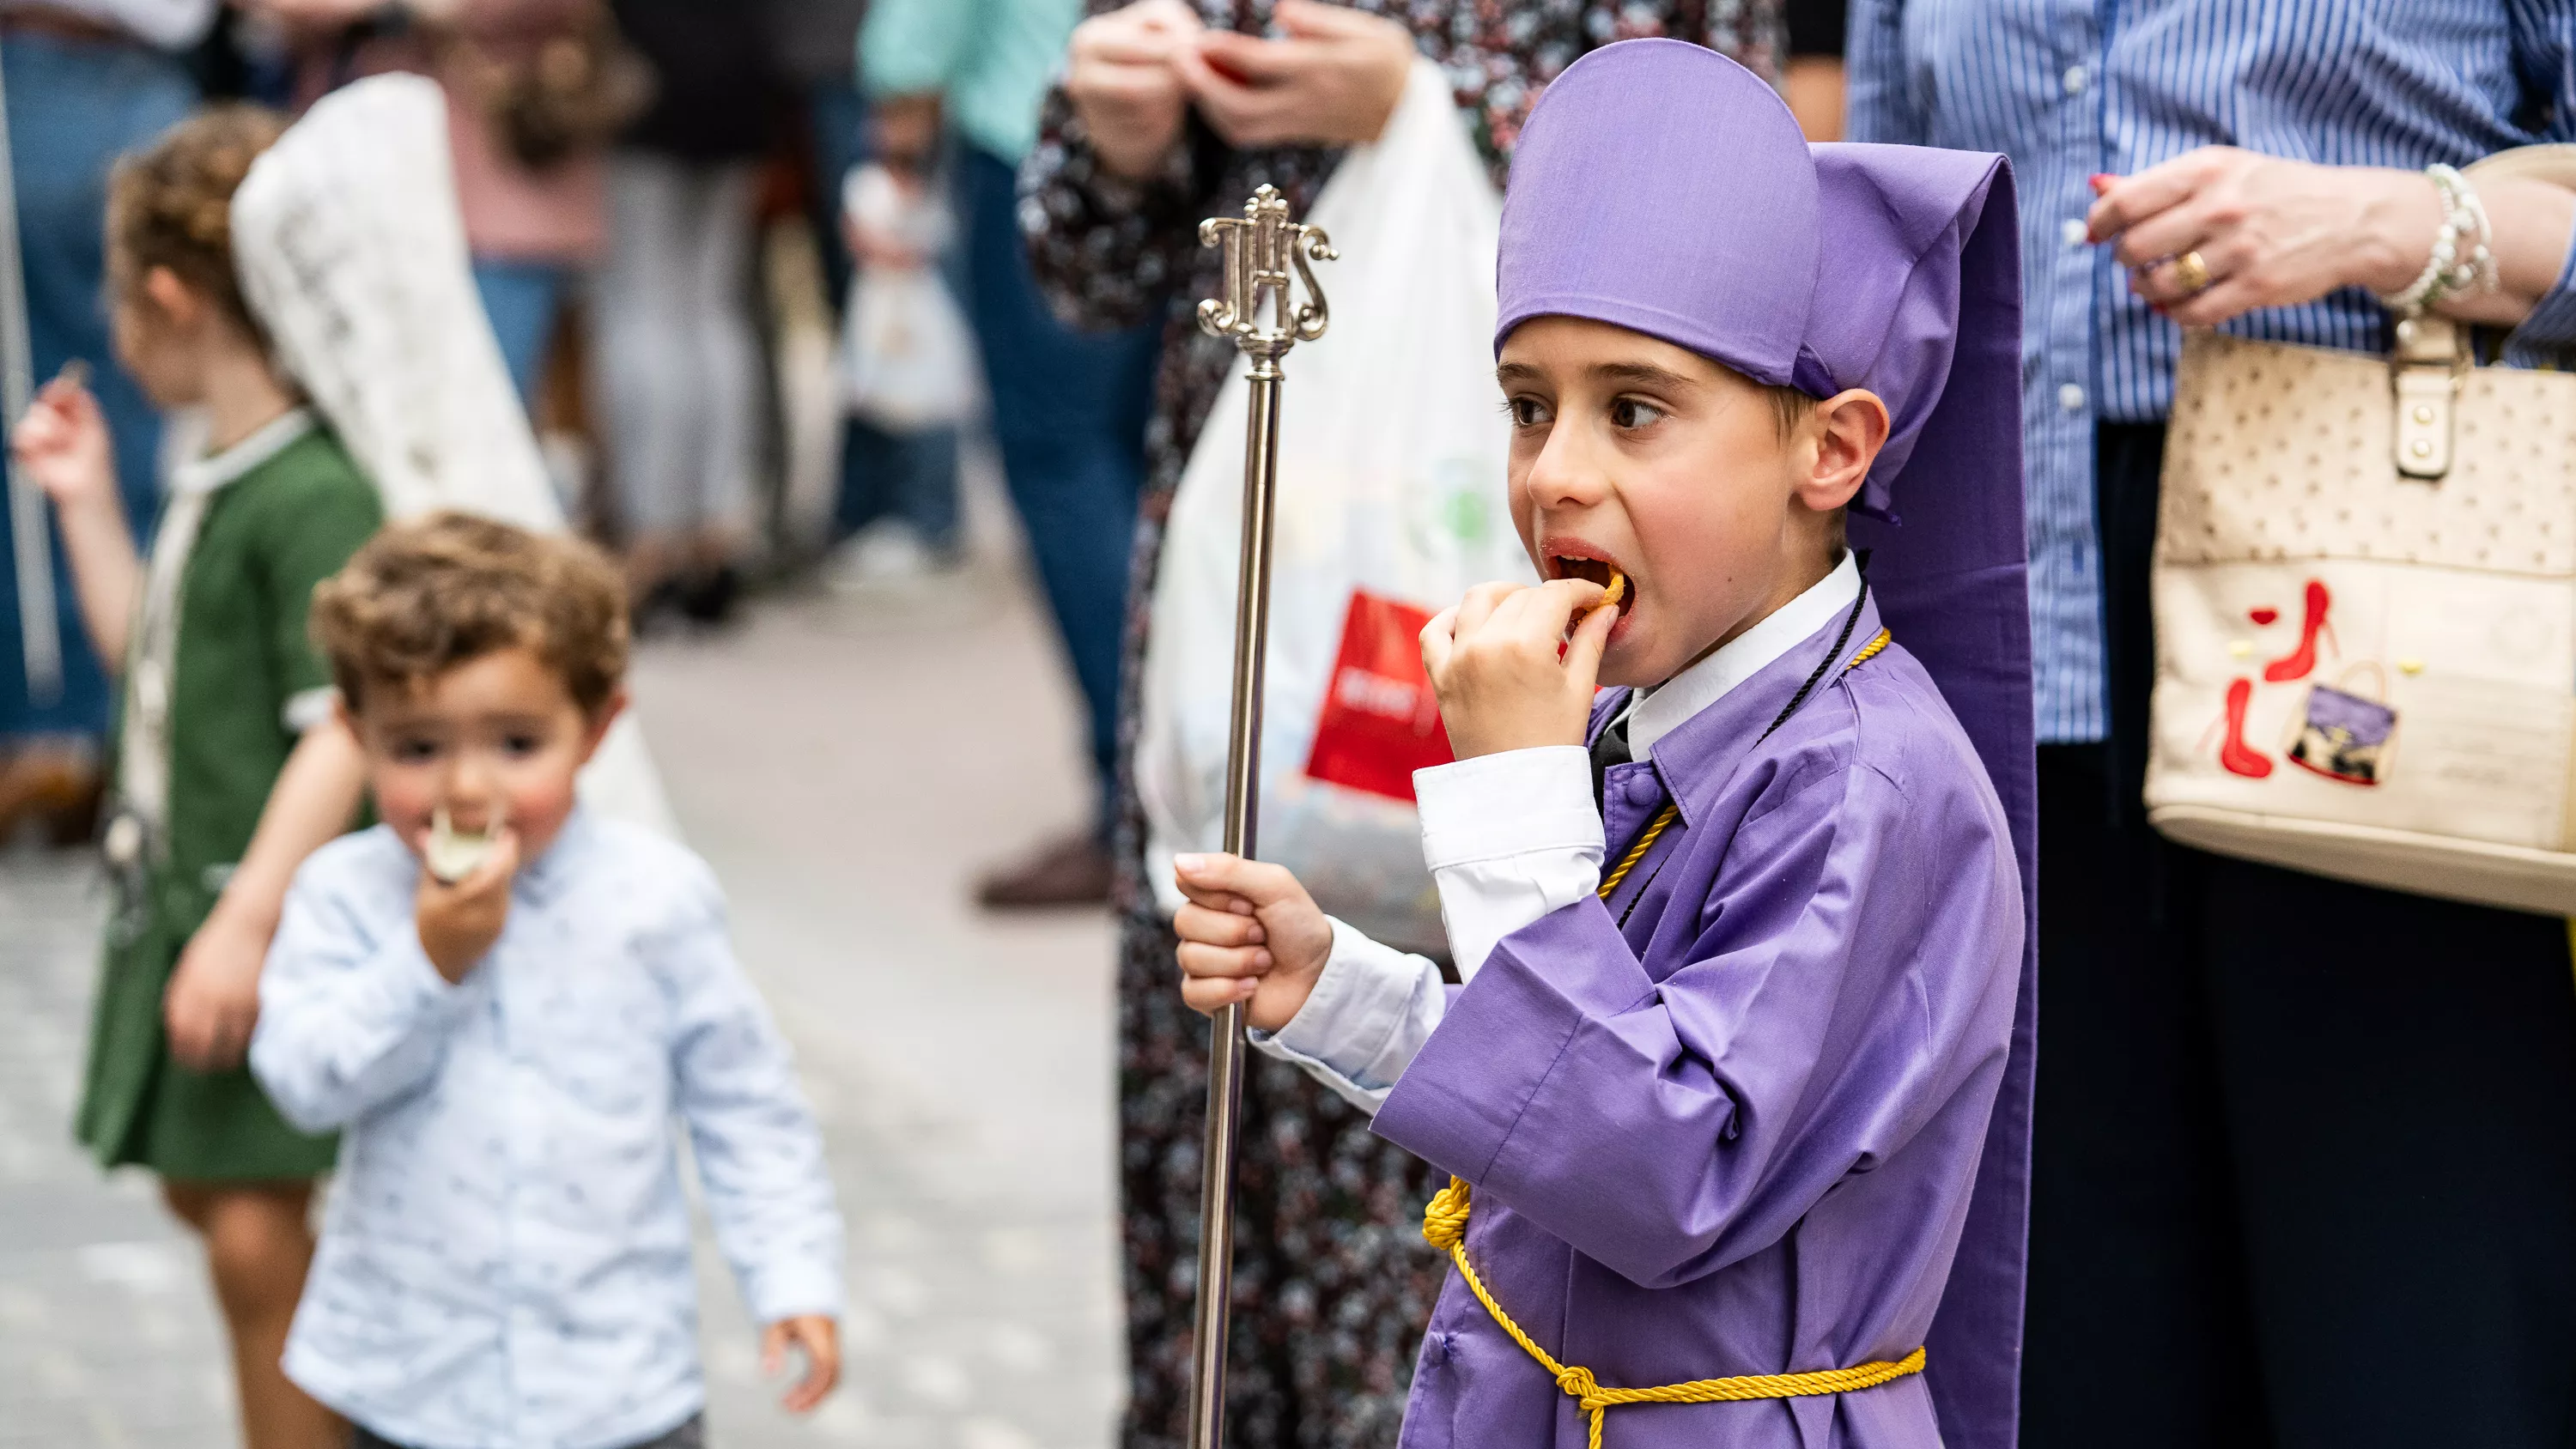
221	682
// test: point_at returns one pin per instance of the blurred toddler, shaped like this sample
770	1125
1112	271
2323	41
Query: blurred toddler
504	1002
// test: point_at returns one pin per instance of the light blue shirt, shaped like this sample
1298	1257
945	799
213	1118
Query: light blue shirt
505	1259
991	60
2067	88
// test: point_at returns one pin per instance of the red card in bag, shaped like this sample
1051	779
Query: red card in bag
1380	721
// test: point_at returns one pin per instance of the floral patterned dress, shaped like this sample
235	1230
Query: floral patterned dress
1333	1283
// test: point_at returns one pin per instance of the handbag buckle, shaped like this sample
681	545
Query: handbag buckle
2426	368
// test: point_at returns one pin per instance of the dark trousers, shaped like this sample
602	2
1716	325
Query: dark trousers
1069	411
2304	1173
691	1435
74	106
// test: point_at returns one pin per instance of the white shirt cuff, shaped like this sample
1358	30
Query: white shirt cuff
1370	1012
1506	804
1509	838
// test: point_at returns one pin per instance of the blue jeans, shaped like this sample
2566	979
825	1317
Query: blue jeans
1069	411
72	108
910	476
521	298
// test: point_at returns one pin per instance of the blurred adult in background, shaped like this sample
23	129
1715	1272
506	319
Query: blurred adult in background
2303	1163
678	359
1813	82
1168	113
534	87
86	80
1068	407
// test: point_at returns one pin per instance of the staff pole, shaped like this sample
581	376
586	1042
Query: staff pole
1265	252
39	632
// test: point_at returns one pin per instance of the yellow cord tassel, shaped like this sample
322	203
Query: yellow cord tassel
1444	1226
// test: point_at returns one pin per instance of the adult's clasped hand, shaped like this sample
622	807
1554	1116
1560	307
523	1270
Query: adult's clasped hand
1331	77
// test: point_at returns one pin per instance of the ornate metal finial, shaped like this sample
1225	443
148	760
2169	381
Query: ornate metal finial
1260	247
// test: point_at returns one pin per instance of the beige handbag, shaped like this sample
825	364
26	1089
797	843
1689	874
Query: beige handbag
2365	611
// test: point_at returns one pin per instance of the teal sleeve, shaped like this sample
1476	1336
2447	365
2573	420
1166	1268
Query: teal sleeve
911	46
311	531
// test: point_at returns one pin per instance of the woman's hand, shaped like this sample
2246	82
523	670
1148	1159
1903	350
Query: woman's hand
62	446
1119	75
2272	232
1333	81
1250	933
211	1005
1507	676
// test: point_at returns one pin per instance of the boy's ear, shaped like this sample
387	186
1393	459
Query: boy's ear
600	719
174	299
1850	427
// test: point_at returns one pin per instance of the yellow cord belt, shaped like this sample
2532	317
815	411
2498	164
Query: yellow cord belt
1444	1226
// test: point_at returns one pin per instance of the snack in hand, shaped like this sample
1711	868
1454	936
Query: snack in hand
454	854
1617	590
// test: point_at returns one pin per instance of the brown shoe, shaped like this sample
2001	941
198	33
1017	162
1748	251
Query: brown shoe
56	785
1070	870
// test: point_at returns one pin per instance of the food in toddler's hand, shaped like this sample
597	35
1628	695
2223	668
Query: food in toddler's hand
454	854
1617	590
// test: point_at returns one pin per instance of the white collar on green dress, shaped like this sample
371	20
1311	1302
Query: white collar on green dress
143	757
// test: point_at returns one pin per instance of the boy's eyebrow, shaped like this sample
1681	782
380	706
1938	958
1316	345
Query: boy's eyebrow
1645	374
1512	372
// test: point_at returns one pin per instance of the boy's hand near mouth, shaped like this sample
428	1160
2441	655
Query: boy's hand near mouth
1508	675
459	922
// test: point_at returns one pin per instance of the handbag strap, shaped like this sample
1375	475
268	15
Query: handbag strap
2430	356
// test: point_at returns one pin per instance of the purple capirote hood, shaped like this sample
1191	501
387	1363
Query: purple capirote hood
1663	188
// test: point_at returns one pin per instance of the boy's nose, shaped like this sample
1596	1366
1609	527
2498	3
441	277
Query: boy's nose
469	795
1565	473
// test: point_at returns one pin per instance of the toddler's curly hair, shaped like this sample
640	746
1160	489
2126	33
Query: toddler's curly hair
171	203
428	594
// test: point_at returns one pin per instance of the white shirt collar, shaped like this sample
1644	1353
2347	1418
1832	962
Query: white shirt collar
1655	713
205	475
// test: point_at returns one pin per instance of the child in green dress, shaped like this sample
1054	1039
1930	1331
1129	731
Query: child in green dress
231	765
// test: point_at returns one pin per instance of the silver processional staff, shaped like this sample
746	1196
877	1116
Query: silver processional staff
1266	254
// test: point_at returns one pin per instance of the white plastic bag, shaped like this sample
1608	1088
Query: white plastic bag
908	357
1392	456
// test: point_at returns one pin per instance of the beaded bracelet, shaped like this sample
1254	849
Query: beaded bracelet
2461	260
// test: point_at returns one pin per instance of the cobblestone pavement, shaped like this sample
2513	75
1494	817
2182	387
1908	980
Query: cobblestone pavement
846	765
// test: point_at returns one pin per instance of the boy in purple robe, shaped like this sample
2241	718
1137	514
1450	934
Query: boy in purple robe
1738	1085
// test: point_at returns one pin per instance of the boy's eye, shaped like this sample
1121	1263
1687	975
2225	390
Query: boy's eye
413	752
522	745
1526	412
1629	412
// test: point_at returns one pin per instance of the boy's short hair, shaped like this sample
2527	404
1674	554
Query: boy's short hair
431	593
1789	407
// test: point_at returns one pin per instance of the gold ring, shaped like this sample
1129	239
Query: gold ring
2192	270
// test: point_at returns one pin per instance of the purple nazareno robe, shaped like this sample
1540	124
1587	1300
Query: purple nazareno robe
1767	1109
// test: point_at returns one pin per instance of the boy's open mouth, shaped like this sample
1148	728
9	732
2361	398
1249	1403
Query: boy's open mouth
1602	572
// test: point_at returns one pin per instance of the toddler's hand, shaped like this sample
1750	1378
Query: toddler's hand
1250	933
820	1337
1507	676
62	443
458	923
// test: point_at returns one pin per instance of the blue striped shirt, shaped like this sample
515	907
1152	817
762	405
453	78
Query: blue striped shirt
2067	88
